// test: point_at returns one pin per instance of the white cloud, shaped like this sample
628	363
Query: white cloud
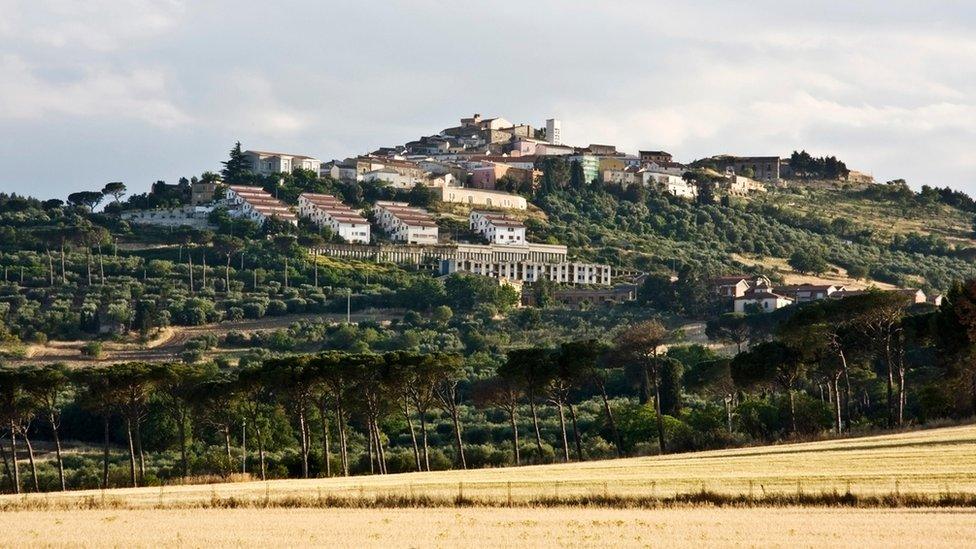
139	94
97	25
879	83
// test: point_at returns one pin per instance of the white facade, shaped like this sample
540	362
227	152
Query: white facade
392	178
484	198
526	271
554	131
672	184
327	211
404	223
194	216
496	228
766	302
268	163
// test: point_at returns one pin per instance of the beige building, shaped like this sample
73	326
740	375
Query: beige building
483	198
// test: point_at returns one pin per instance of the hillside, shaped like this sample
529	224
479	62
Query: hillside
905	240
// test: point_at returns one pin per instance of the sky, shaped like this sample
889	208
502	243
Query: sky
138	91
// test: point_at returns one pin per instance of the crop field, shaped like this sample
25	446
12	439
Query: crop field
491	527
535	506
925	462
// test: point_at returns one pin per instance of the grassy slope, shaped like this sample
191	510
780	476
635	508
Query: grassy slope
924	462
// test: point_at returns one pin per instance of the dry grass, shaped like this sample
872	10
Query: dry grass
928	463
545	527
838	277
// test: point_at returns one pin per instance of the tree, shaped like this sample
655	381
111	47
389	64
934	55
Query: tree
505	394
878	316
731	327
805	260
228	246
770	362
115	189
449	372
178	386
640	345
102	396
48	387
573	361
88	199
530	369
236	168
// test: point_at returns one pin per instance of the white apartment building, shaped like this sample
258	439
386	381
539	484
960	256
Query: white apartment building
497	228
404	223
483	197
325	210
257	205
268	163
528	271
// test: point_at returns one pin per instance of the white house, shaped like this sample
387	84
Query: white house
497	228
404	223
669	183
325	210
268	163
483	197
762	300
393	178
257	205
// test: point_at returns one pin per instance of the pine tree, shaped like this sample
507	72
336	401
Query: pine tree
237	166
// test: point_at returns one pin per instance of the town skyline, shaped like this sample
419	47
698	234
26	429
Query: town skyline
165	93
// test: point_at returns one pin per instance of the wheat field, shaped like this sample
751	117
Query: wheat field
491	527
501	510
927	462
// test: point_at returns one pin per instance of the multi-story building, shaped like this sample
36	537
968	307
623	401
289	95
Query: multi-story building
646	157
624	177
528	271
761	168
269	163
202	191
325	210
487	174
498	229
589	163
554	131
257	205
404	223
483	198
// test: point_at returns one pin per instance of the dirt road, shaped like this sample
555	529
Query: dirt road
170	342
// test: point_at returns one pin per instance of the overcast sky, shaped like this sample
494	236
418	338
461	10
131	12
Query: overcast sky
99	90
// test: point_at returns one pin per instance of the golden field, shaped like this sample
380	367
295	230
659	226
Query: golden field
491	527
929	462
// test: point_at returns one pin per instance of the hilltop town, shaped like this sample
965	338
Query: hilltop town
492	168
